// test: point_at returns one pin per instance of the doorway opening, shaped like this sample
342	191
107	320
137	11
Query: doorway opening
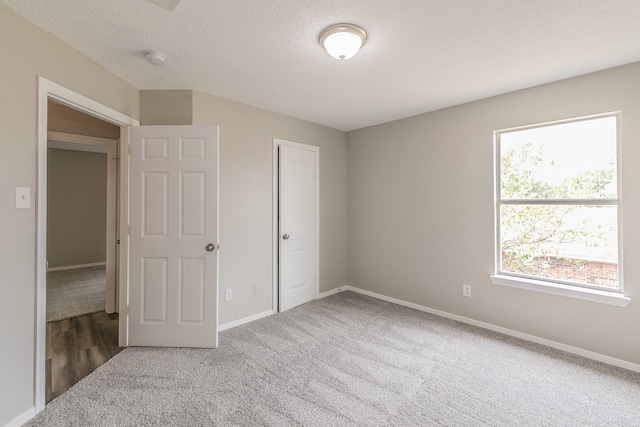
81	294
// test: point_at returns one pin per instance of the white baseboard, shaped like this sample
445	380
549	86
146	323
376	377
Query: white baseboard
239	322
73	267
340	288
527	337
22	418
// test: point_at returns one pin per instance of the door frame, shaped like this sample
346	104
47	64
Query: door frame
47	90
111	146
276	223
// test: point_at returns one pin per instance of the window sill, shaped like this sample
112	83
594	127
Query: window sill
586	294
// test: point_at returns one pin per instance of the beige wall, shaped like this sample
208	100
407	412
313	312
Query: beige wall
26	53
421	212
246	220
166	107
76	207
67	120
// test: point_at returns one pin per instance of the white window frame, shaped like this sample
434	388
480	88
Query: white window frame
554	286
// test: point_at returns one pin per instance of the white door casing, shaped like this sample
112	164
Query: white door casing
173	267
298	224
48	90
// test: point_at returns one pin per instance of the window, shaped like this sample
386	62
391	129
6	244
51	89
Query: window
558	204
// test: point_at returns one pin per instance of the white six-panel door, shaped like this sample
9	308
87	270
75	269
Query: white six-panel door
298	225
173	268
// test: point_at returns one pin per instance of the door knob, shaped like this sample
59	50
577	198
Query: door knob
285	237
210	247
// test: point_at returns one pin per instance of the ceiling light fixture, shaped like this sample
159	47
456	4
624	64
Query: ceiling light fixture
342	41
156	58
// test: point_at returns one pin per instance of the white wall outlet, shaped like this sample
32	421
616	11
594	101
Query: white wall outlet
228	295
256	289
466	290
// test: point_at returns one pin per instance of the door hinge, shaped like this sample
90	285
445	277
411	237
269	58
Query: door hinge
128	229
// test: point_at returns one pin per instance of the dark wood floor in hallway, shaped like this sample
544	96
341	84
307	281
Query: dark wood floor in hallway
77	346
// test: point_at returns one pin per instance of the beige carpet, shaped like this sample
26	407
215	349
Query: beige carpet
351	360
71	293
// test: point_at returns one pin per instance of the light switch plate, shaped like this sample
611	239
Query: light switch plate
23	197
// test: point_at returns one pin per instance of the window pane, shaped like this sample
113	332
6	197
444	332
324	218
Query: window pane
570	243
574	160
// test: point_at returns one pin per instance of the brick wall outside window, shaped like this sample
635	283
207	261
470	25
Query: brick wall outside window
591	272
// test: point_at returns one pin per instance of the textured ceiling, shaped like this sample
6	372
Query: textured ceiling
421	55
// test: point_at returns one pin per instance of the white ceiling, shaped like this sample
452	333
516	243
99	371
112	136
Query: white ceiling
420	56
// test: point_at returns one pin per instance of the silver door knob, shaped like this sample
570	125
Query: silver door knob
285	237
210	247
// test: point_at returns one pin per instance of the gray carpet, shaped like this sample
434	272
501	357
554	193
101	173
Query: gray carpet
351	360
71	293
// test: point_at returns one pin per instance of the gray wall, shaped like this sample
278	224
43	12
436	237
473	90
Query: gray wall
246	199
76	207
246	192
421	212
26	53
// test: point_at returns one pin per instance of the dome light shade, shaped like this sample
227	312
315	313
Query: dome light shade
342	41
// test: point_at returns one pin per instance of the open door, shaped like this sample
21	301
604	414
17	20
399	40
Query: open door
173	238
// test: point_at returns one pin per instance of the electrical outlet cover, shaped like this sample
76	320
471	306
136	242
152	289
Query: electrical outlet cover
466	290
